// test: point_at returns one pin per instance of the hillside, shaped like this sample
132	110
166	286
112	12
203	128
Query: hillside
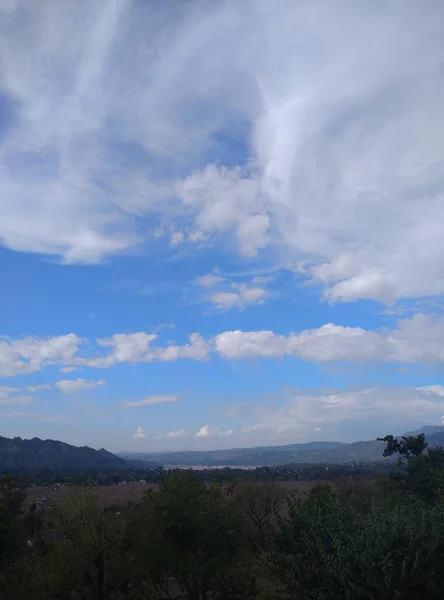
18	454
309	453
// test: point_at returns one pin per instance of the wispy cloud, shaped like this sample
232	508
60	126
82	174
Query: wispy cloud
209	280
150	401
41	417
299	412
71	386
333	173
68	386
16	400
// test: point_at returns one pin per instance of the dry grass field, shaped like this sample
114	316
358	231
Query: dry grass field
120	494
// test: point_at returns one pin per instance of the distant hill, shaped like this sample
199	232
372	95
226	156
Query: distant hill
309	453
19	454
436	439
428	430
16	454
312	452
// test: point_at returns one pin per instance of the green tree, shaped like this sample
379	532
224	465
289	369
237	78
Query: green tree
406	446
260	503
190	542
10	536
87	554
331	549
424	475
12	493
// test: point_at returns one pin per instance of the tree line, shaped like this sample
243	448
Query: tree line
243	540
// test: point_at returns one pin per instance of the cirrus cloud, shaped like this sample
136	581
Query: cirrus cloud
150	401
342	137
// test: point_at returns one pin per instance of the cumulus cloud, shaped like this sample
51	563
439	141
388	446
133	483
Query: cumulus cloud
136	347
172	435
243	297
150	401
226	294
342	138
31	354
139	434
415	340
206	432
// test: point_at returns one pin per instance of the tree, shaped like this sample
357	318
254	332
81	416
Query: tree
406	446
87	553
12	493
190	542
260	503
330	549
424	476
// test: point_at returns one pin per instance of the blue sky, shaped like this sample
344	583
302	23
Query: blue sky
220	222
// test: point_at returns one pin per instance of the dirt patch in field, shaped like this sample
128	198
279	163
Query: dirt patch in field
121	494
108	494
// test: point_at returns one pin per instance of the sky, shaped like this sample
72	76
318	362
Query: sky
221	222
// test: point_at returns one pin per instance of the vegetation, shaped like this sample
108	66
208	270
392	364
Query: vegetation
245	540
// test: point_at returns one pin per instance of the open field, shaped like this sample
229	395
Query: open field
120	494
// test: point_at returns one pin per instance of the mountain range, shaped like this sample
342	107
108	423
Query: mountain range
17	453
308	453
50	454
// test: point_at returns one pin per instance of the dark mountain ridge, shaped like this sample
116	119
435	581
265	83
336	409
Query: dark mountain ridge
17	453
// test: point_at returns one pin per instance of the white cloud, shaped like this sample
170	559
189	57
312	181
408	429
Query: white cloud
136	347
242	297
209	280
16	400
206	432
31	354
261	279
300	412
150	401
139	434
344	136
226	200
71	386
41	417
180	433
39	388
126	347
197	349
414	340
8	395
432	389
